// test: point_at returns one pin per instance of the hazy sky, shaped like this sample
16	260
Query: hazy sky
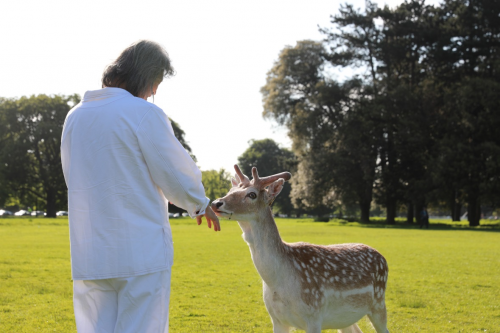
221	51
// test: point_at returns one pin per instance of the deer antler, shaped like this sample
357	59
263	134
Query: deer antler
258	182
240	177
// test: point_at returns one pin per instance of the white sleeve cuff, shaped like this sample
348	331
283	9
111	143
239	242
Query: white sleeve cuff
200	210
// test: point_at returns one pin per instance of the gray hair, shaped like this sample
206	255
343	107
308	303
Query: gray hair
138	68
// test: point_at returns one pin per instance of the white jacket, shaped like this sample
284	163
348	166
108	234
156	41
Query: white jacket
120	160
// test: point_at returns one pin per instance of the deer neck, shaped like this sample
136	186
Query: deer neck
266	246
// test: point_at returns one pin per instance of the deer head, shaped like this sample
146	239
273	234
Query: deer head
248	197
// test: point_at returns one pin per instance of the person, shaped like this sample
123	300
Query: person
121	161
424	219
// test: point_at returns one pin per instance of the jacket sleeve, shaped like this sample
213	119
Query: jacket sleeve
169	164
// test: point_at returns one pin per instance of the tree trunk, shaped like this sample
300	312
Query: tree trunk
473	210
51	203
455	207
391	211
419	207
365	211
410	213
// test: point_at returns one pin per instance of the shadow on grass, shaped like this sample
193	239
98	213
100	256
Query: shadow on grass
433	225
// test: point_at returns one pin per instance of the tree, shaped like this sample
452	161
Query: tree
31	147
470	146
466	63
270	159
179	134
325	120
216	183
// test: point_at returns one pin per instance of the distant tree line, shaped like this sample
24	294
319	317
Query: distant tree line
395	107
415	120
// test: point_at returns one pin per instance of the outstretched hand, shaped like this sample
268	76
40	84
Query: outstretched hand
211	218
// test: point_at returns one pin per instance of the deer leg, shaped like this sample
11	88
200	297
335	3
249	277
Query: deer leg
379	319
313	328
280	328
351	329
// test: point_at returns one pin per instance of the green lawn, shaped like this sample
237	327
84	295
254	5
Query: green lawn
444	280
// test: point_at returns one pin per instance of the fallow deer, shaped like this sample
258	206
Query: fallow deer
310	287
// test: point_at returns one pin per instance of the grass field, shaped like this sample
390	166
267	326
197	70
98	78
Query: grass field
444	280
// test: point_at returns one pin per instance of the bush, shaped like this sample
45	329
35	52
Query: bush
321	219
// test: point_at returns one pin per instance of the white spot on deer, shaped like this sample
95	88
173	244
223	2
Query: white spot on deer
309	280
337	278
306	290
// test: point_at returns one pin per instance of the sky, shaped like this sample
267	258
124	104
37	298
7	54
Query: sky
221	51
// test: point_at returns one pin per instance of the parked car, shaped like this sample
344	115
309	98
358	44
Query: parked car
62	213
22	213
5	213
38	213
185	214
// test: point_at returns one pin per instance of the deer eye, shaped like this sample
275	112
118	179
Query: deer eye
252	195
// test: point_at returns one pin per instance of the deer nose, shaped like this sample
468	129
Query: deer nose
218	204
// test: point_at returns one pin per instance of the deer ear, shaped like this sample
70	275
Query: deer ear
234	182
274	189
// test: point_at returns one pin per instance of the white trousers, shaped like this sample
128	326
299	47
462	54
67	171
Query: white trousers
137	304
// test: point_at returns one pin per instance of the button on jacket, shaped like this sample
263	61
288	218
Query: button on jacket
121	161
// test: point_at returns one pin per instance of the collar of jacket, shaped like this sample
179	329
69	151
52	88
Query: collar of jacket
104	93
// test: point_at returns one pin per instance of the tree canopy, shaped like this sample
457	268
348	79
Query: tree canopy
269	158
413	122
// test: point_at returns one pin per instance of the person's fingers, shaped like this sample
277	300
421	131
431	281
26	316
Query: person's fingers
216	225
215	220
211	219
209	214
